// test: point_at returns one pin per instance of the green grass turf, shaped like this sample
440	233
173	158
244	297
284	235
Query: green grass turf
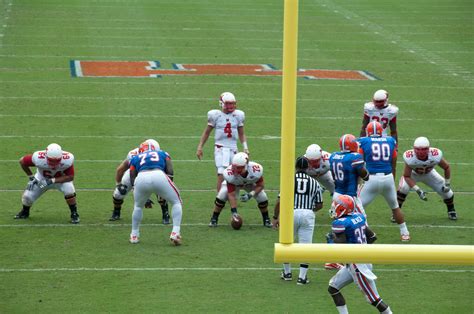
421	50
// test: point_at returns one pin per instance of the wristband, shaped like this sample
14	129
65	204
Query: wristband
244	144
447	181
416	188
53	180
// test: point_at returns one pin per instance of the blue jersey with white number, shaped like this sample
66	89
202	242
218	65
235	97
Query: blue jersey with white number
150	160
344	168
353	226
378	153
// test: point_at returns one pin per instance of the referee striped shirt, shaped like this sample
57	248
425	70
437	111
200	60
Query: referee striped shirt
308	192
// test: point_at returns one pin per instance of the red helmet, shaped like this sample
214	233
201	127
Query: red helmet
374	128
342	205
348	143
227	102
380	99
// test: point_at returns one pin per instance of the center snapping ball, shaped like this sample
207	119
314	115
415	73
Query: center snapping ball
236	222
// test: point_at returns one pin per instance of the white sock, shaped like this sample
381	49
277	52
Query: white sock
303	272
136	220
387	311
177	214
287	268
403	228
342	309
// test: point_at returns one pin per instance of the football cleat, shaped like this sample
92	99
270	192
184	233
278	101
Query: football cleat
286	277
175	238
331	266
134	239
75	218
267	223
405	237
302	281
213	222
452	215
115	215
23	214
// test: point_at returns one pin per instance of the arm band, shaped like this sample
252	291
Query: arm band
447	181
416	187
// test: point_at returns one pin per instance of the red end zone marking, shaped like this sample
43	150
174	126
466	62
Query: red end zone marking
151	69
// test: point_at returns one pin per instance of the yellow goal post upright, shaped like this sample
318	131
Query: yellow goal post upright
286	250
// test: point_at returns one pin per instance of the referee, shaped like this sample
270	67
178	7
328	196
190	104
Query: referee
308	199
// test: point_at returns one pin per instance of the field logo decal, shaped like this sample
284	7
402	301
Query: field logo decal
147	69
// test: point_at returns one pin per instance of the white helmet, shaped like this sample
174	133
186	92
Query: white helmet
421	142
380	98
313	152
227	102
154	143
54	154
240	160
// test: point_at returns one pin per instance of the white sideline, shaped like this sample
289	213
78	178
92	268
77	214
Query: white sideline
112	225
222	269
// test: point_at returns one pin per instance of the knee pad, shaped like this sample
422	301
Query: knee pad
68	197
401	197
449	201
117	201
263	205
26	200
333	291
219	203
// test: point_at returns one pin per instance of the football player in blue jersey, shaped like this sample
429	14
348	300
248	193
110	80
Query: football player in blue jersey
151	171
351	227
380	156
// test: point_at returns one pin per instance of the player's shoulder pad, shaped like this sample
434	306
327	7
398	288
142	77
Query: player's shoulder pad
68	157
436	153
368	106
255	167
393	109
228	173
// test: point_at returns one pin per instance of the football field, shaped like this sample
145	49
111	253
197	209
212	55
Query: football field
99	77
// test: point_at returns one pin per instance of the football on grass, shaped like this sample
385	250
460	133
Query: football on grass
236	222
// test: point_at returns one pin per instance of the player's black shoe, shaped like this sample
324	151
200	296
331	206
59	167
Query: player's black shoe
286	277
452	215
115	215
213	223
267	223
23	214
75	218
302	281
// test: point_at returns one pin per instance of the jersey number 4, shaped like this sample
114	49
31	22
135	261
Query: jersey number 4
228	129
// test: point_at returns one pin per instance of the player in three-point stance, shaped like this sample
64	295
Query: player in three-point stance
308	200
151	171
419	167
54	170
229	125
380	156
123	186
380	110
351	227
246	175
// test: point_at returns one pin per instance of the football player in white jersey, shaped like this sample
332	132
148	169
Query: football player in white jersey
123	186
380	110
419	167
246	175
54	170
319	166
229	125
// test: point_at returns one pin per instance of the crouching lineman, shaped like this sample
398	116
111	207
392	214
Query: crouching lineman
122	177
242	174
319	167
54	170
419	166
350	227
151	171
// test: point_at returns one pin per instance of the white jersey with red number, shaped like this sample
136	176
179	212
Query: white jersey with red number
39	160
384	116
423	166
225	125
132	153
255	172
323	166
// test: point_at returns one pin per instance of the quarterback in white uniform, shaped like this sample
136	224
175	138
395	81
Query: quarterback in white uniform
54	170
419	167
319	166
246	175
229	125
381	111
123	186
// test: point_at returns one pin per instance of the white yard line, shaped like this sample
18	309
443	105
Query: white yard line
209	269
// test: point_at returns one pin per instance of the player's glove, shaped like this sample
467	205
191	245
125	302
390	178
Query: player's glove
31	184
149	203
45	182
245	197
122	188
422	194
446	188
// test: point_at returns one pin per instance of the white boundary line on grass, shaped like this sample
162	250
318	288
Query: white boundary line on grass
216	269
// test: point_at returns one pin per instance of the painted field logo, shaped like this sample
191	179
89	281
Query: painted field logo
152	69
